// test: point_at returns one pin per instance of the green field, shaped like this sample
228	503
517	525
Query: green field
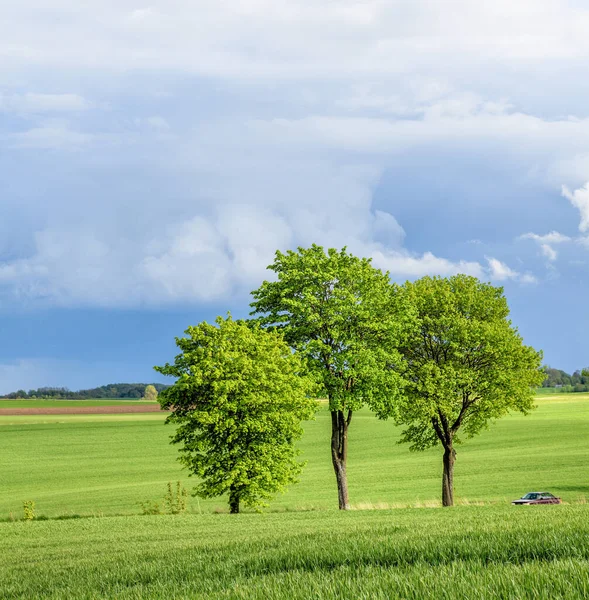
467	553
107	464
104	465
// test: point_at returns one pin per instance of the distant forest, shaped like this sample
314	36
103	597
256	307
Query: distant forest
577	382
112	390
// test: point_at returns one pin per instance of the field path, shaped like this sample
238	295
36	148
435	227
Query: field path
83	410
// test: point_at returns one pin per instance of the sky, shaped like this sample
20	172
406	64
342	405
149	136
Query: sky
153	157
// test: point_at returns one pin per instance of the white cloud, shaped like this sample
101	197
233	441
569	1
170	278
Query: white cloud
549	252
580	200
547	241
460	125
402	264
356	82
49	135
293	38
43	103
499	271
554	237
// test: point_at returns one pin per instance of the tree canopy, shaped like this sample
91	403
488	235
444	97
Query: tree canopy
464	365
343	316
150	393
239	398
578	381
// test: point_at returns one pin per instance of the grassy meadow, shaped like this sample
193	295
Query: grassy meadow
107	464
468	552
302	547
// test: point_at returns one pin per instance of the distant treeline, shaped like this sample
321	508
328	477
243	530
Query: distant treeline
113	390
556	378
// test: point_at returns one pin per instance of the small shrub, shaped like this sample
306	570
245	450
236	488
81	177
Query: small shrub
174	502
150	508
175	499
29	510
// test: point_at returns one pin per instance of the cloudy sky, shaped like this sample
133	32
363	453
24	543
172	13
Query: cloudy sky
154	156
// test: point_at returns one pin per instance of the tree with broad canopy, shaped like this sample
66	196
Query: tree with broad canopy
150	393
344	317
464	365
239	398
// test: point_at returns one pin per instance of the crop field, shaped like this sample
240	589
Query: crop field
68	403
107	464
467	553
302	547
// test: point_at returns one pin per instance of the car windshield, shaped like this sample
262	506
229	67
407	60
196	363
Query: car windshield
530	497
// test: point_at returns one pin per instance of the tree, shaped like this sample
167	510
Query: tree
586	372
334	308
239	398
464	363
150	393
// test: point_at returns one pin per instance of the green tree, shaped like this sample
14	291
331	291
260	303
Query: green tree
239	398
464	363
334	309
150	393
585	372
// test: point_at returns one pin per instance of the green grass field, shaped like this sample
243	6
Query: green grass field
107	464
104	465
466	553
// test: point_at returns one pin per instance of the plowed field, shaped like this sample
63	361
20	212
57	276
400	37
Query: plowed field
83	410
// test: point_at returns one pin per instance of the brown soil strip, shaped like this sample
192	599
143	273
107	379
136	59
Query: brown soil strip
83	410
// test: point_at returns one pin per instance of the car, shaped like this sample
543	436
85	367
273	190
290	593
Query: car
538	498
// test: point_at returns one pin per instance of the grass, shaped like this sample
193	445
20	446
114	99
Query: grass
107	464
464	553
73	465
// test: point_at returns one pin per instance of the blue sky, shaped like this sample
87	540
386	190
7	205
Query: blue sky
154	156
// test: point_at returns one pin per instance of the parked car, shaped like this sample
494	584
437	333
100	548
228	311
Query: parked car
538	498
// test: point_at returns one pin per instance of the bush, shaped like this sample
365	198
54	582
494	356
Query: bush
174	502
29	510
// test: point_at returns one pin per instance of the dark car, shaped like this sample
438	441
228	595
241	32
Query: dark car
538	498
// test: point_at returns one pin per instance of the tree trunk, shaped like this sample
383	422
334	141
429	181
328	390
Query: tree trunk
448	477
339	454
233	501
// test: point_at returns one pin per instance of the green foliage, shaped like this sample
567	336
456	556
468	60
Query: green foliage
150	394
343	315
474	553
239	399
465	364
29	512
